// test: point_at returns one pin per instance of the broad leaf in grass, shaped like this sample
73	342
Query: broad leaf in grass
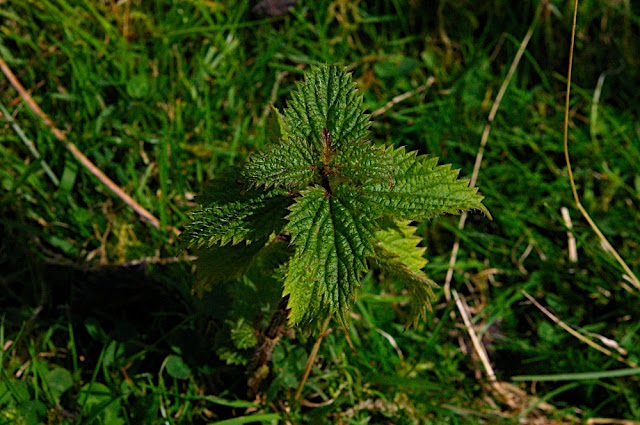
332	234
422	189
336	197
176	367
291	163
327	99
397	252
232	213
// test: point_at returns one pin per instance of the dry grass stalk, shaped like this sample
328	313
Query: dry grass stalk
402	97
605	243
71	147
576	334
516	399
611	421
573	251
483	143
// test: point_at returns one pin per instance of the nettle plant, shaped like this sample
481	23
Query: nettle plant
339	203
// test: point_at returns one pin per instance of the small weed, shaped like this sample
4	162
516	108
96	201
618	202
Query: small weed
164	96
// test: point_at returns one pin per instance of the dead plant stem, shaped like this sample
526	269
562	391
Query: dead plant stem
574	190
576	334
312	358
71	147
483	143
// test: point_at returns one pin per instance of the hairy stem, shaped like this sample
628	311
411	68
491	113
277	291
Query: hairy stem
277	327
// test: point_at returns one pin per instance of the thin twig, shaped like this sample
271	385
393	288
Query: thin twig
71	147
392	341
576	334
159	260
312	358
513	396
477	345
498	386
483	143
574	190
611	421
404	96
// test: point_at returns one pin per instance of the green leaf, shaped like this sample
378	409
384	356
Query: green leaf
260	288
219	264
329	99
339	188
226	186
332	234
243	335
362	163
94	394
276	128
176	367
231	357
113	352
31	412
59	380
422	189
138	86
234	214
13	392
398	253
101	404
231	403
291	164
399	239
258	260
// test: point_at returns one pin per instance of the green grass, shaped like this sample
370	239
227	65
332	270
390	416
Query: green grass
164	94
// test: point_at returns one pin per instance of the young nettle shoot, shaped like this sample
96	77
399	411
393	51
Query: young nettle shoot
340	203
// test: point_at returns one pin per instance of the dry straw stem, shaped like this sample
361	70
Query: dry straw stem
585	214
477	345
513	396
576	334
393	343
404	96
312	358
571	240
159	260
483	143
611	421
71	147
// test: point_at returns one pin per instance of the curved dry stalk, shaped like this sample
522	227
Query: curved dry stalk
312	358
402	97
576	197
576	334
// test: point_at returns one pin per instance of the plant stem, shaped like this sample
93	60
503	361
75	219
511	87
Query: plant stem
312	358
277	327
